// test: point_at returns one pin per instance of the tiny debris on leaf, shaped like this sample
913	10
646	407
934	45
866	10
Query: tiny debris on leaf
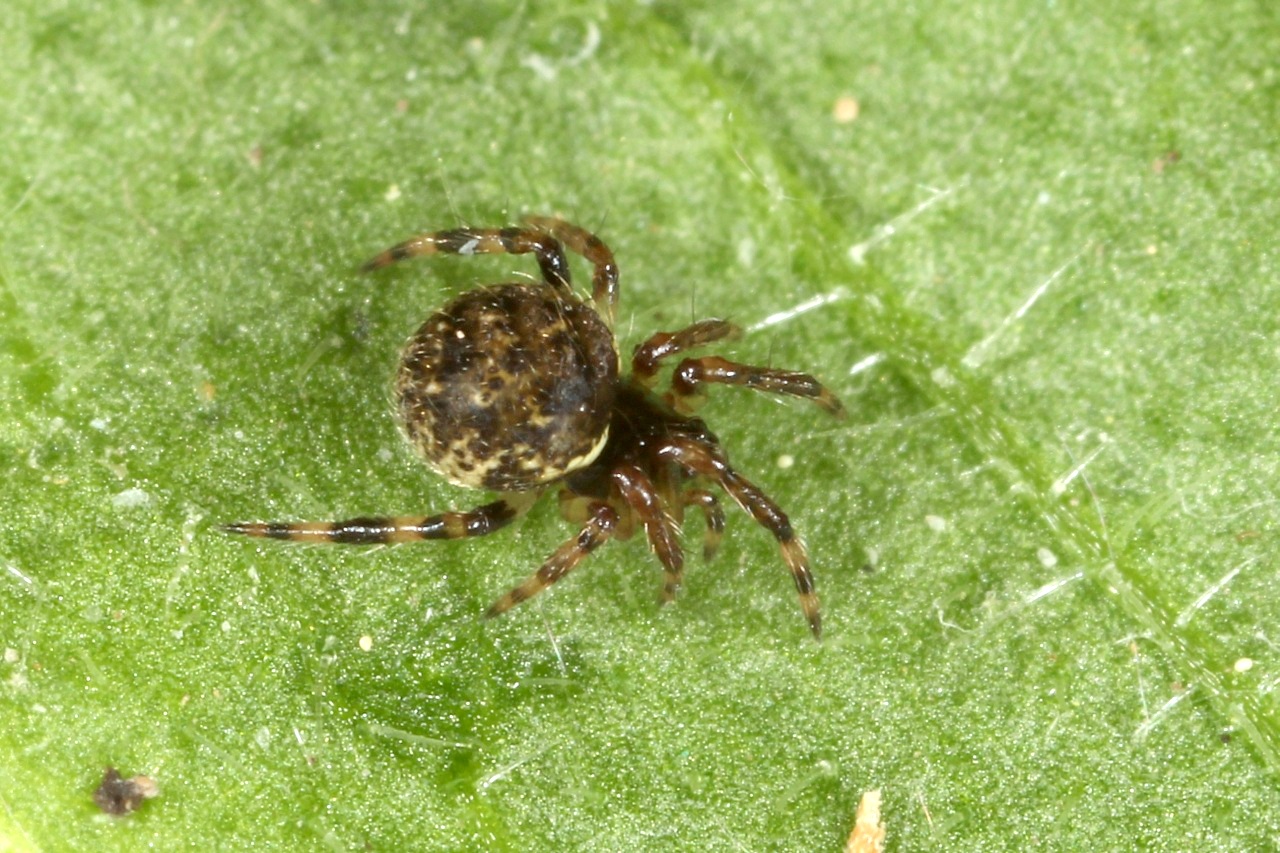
868	831
1165	160
845	110
119	796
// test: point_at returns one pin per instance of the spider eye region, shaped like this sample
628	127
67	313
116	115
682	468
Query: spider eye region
509	387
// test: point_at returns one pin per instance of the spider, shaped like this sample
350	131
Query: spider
517	388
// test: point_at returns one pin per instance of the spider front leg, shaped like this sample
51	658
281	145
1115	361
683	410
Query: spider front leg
601	522
707	460
690	375
649	356
484	241
480	521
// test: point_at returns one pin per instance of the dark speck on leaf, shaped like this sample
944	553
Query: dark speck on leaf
119	796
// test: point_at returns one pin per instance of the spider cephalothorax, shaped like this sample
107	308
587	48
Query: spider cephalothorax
516	388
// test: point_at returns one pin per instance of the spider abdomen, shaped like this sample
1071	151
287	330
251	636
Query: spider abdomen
508	387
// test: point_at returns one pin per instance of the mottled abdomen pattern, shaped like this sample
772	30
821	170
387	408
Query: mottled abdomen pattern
508	387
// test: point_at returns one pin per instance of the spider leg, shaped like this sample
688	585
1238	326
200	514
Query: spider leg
641	495
649	355
484	241
597	530
404	528
691	374
707	460
715	519
604	279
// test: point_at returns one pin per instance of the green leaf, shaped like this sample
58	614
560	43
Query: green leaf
1031	246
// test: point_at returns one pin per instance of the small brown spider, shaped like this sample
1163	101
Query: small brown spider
516	388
